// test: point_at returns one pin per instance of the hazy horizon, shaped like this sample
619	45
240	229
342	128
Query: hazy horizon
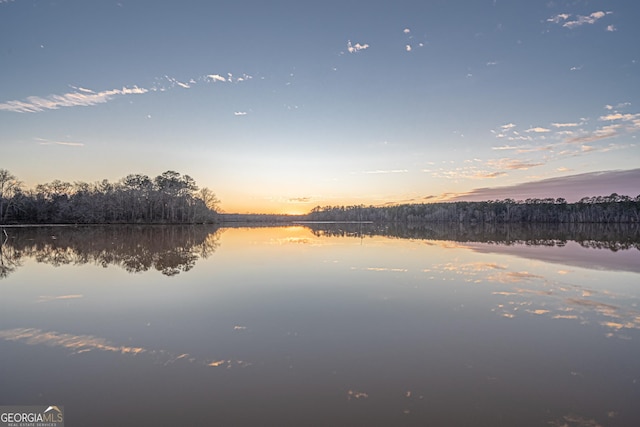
282	106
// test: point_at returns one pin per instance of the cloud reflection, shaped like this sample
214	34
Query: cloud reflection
77	343
353	394
571	302
80	344
573	420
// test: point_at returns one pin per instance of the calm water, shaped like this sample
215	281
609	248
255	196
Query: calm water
323	325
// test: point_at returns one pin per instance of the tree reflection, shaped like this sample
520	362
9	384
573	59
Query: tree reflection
167	249
10	260
589	235
172	249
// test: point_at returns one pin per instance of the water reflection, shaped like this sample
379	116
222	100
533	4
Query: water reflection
613	236
80	344
175	249
167	249
327	325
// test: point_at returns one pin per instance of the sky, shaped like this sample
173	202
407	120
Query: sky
280	106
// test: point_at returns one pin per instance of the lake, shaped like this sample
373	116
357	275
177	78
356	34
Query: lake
323	324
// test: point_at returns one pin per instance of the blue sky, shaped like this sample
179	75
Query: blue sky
284	105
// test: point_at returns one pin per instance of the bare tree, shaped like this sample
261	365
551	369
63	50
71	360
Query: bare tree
9	187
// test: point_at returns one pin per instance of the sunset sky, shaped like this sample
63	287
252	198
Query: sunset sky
279	106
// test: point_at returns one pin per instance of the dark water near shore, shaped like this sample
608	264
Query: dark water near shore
323	324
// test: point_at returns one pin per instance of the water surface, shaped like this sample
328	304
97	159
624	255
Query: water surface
334	324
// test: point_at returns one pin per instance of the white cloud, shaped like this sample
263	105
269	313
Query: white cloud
611	28
81	89
508	126
505	147
581	19
175	82
216	78
240	113
34	104
538	130
618	116
408	48
559	18
87	97
618	106
353	48
565	125
519	138
406	31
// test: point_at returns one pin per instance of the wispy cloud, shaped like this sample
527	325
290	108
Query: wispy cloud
240	113
592	137
512	164
611	28
299	199
43	141
619	116
565	125
81	89
538	130
620	123
176	82
353	48
560	140
581	19
557	19
568	21
380	171
84	97
491	174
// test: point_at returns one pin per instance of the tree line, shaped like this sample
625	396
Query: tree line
601	209
168	198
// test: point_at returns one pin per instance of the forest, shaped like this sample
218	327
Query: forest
172	198
601	209
167	198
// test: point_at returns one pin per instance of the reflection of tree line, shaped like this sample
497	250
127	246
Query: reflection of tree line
614	236
168	249
175	249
